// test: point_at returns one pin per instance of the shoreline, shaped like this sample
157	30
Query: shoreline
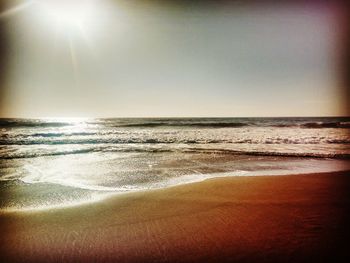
245	219
191	179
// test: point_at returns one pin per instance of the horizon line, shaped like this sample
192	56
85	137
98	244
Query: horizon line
180	117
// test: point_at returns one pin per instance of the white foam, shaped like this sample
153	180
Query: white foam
102	192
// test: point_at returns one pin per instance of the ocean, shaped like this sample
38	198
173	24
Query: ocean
52	163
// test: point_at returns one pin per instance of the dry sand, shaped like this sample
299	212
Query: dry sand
297	218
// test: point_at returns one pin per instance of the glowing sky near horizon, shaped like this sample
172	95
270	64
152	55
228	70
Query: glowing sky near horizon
116	59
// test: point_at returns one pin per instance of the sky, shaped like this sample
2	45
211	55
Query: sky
118	58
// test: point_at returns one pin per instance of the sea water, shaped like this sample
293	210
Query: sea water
51	163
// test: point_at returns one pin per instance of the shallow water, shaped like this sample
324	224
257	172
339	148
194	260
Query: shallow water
52	163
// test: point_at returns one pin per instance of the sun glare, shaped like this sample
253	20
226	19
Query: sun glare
67	13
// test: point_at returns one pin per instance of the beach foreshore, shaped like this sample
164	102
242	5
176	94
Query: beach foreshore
291	218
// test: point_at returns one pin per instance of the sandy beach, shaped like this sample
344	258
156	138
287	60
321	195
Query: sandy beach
244	219
174	131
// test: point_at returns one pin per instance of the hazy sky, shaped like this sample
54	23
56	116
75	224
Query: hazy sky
168	58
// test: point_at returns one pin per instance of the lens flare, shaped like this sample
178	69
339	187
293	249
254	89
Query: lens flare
68	14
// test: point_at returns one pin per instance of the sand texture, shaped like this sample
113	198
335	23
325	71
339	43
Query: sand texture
297	218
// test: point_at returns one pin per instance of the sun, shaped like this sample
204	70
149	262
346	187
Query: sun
68	27
70	14
70	22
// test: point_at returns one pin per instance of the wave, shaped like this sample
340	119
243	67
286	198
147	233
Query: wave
311	125
11	156
307	123
106	149
326	125
4	123
271	153
227	124
61	134
48	139
186	124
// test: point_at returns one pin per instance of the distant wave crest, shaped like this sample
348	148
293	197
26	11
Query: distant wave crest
10	123
186	124
326	125
61	139
189	123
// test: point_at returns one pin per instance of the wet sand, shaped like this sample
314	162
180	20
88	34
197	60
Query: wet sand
296	218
